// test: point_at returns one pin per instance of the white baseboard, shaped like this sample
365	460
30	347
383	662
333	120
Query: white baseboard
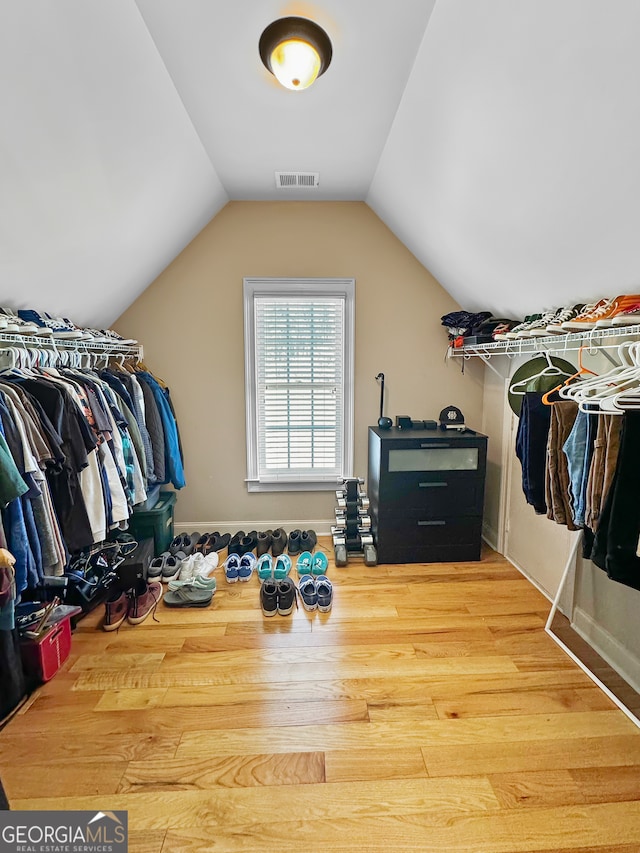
322	527
490	537
540	589
608	647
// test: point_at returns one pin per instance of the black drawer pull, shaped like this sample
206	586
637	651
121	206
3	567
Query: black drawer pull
431	523
431	444
432	485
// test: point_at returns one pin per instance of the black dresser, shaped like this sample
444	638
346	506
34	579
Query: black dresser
426	492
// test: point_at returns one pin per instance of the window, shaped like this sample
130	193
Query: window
299	382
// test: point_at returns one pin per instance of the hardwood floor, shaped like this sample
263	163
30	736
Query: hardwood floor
428	711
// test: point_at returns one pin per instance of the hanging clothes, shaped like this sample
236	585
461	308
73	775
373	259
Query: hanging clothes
578	449
531	449
616	545
562	417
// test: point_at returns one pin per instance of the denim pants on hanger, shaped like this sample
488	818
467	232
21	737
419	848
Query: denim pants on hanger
578	448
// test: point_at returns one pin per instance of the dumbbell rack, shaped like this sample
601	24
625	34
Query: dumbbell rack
352	530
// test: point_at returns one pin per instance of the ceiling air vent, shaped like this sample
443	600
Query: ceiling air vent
297	180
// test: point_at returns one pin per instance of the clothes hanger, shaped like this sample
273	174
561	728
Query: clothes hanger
600	396
581	371
611	383
550	370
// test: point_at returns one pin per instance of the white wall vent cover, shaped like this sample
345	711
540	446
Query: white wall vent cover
297	180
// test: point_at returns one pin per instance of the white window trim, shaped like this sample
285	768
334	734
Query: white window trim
293	287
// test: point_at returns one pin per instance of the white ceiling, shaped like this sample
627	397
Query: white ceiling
497	139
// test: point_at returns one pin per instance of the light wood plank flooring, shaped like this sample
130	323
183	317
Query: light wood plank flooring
428	711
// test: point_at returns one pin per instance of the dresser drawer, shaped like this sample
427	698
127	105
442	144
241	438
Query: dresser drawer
441	496
446	552
416	528
411	538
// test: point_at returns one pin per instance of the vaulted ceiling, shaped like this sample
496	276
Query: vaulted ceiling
498	139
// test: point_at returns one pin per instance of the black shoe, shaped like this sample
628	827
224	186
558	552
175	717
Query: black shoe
294	542
269	597
286	596
247	543
234	542
308	540
218	541
278	542
264	542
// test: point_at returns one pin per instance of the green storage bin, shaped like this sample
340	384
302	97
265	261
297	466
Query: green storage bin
156	523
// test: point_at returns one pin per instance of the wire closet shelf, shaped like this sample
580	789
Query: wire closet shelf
112	348
595	340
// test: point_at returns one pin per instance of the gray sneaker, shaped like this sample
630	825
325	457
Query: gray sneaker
171	567
563	316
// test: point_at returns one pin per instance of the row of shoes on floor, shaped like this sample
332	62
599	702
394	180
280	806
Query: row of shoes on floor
277	541
193	587
176	563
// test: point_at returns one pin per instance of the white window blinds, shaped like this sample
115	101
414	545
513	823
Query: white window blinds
301	387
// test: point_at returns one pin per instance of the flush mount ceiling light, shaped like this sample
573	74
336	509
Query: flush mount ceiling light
295	51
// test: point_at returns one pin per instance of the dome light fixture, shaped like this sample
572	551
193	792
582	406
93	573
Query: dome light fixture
295	51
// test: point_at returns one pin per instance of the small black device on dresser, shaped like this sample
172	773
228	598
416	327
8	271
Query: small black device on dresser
426	492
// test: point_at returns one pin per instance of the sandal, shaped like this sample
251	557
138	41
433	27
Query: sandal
201	544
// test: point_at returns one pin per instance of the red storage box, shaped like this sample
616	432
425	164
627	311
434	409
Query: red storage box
42	658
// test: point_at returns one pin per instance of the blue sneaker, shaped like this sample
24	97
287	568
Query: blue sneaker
325	593
308	592
232	568
57	327
247	564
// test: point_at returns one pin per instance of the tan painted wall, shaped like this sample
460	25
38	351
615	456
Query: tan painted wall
190	321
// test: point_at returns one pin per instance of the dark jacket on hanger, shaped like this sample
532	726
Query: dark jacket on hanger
531	448
615	548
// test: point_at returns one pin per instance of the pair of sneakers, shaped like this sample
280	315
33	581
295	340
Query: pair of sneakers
269	568
239	567
301	540
312	564
134	604
166	567
316	593
278	596
171	567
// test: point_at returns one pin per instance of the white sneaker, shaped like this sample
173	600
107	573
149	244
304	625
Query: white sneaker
197	565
